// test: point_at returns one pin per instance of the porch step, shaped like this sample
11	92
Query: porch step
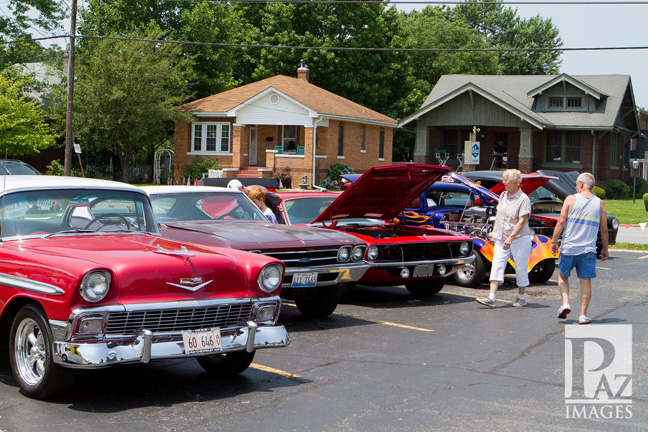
249	172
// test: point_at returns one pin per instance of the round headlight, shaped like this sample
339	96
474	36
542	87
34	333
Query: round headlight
464	248
94	285
373	253
271	277
615	224
357	254
344	253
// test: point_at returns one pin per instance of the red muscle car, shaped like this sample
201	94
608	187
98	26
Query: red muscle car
88	282
419	258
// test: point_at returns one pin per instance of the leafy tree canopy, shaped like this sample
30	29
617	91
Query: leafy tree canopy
126	94
23	130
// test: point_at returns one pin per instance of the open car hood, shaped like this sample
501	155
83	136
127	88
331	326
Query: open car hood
383	192
563	183
530	182
487	197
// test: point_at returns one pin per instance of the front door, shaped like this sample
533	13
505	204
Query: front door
253	145
500	150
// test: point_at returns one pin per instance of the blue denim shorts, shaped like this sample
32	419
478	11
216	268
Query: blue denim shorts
585	265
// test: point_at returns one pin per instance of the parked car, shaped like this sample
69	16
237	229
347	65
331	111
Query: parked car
547	199
317	261
88	282
16	167
419	258
470	209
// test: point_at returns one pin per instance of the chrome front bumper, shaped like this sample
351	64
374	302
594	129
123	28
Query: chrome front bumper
450	262
144	348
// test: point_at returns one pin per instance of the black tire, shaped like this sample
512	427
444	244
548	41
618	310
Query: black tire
471	275
228	364
322	304
30	353
423	289
542	271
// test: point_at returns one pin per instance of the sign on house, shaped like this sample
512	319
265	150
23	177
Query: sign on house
471	152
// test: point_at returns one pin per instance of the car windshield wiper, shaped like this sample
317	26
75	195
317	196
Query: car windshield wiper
73	231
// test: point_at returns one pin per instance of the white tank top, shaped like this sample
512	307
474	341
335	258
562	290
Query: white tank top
581	230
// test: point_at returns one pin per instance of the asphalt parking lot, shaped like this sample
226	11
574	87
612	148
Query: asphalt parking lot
383	362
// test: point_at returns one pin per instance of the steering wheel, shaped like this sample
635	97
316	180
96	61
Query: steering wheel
105	216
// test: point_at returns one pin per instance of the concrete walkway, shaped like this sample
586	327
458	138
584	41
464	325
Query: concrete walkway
634	234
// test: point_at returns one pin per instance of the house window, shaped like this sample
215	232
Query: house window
614	151
563	148
363	138
381	144
555	102
574	102
290	138
207	136
341	139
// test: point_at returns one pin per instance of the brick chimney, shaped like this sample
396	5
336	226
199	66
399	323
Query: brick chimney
303	72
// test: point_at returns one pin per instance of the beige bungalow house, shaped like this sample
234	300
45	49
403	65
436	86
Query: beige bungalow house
260	129
531	122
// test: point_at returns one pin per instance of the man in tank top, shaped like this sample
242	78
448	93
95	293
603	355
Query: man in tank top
583	215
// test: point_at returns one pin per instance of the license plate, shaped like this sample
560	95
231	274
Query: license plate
304	280
201	341
423	270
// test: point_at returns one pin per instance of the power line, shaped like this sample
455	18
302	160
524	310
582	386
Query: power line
326	48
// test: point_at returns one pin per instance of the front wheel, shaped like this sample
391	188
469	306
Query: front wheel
322	304
426	288
473	274
228	364
30	353
542	271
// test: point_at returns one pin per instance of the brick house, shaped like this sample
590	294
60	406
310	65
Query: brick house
531	122
259	129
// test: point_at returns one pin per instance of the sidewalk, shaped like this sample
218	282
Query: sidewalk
634	234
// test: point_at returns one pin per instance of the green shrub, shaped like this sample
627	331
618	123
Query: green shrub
645	198
642	185
616	189
56	169
335	172
599	192
198	167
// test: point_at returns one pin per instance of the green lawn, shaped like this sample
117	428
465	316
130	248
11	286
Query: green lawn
626	212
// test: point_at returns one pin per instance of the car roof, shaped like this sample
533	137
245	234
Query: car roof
13	183
164	189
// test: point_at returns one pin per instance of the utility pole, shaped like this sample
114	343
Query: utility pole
70	93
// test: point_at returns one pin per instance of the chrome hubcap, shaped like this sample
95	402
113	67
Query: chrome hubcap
30	352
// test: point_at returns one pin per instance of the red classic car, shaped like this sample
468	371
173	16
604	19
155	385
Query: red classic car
317	261
88	282
419	258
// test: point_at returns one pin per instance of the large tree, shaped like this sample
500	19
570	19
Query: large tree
503	28
23	129
126	96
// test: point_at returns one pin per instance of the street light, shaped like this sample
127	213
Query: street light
635	165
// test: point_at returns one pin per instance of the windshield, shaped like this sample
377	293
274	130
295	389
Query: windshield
17	168
53	211
306	210
197	206
449	198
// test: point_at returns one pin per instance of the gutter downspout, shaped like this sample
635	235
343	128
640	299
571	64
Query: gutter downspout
593	153
314	150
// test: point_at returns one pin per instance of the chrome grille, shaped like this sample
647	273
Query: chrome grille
306	258
173	320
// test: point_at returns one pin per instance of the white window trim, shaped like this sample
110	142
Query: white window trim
203	143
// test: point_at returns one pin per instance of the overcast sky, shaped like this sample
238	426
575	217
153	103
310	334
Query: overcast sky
585	26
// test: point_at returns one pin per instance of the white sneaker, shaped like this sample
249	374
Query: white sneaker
486	301
519	303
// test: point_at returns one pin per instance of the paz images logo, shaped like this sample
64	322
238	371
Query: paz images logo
598	371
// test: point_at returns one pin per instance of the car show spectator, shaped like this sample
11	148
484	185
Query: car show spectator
258	197
512	237
272	200
582	216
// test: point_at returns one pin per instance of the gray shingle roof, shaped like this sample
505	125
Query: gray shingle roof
512	90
